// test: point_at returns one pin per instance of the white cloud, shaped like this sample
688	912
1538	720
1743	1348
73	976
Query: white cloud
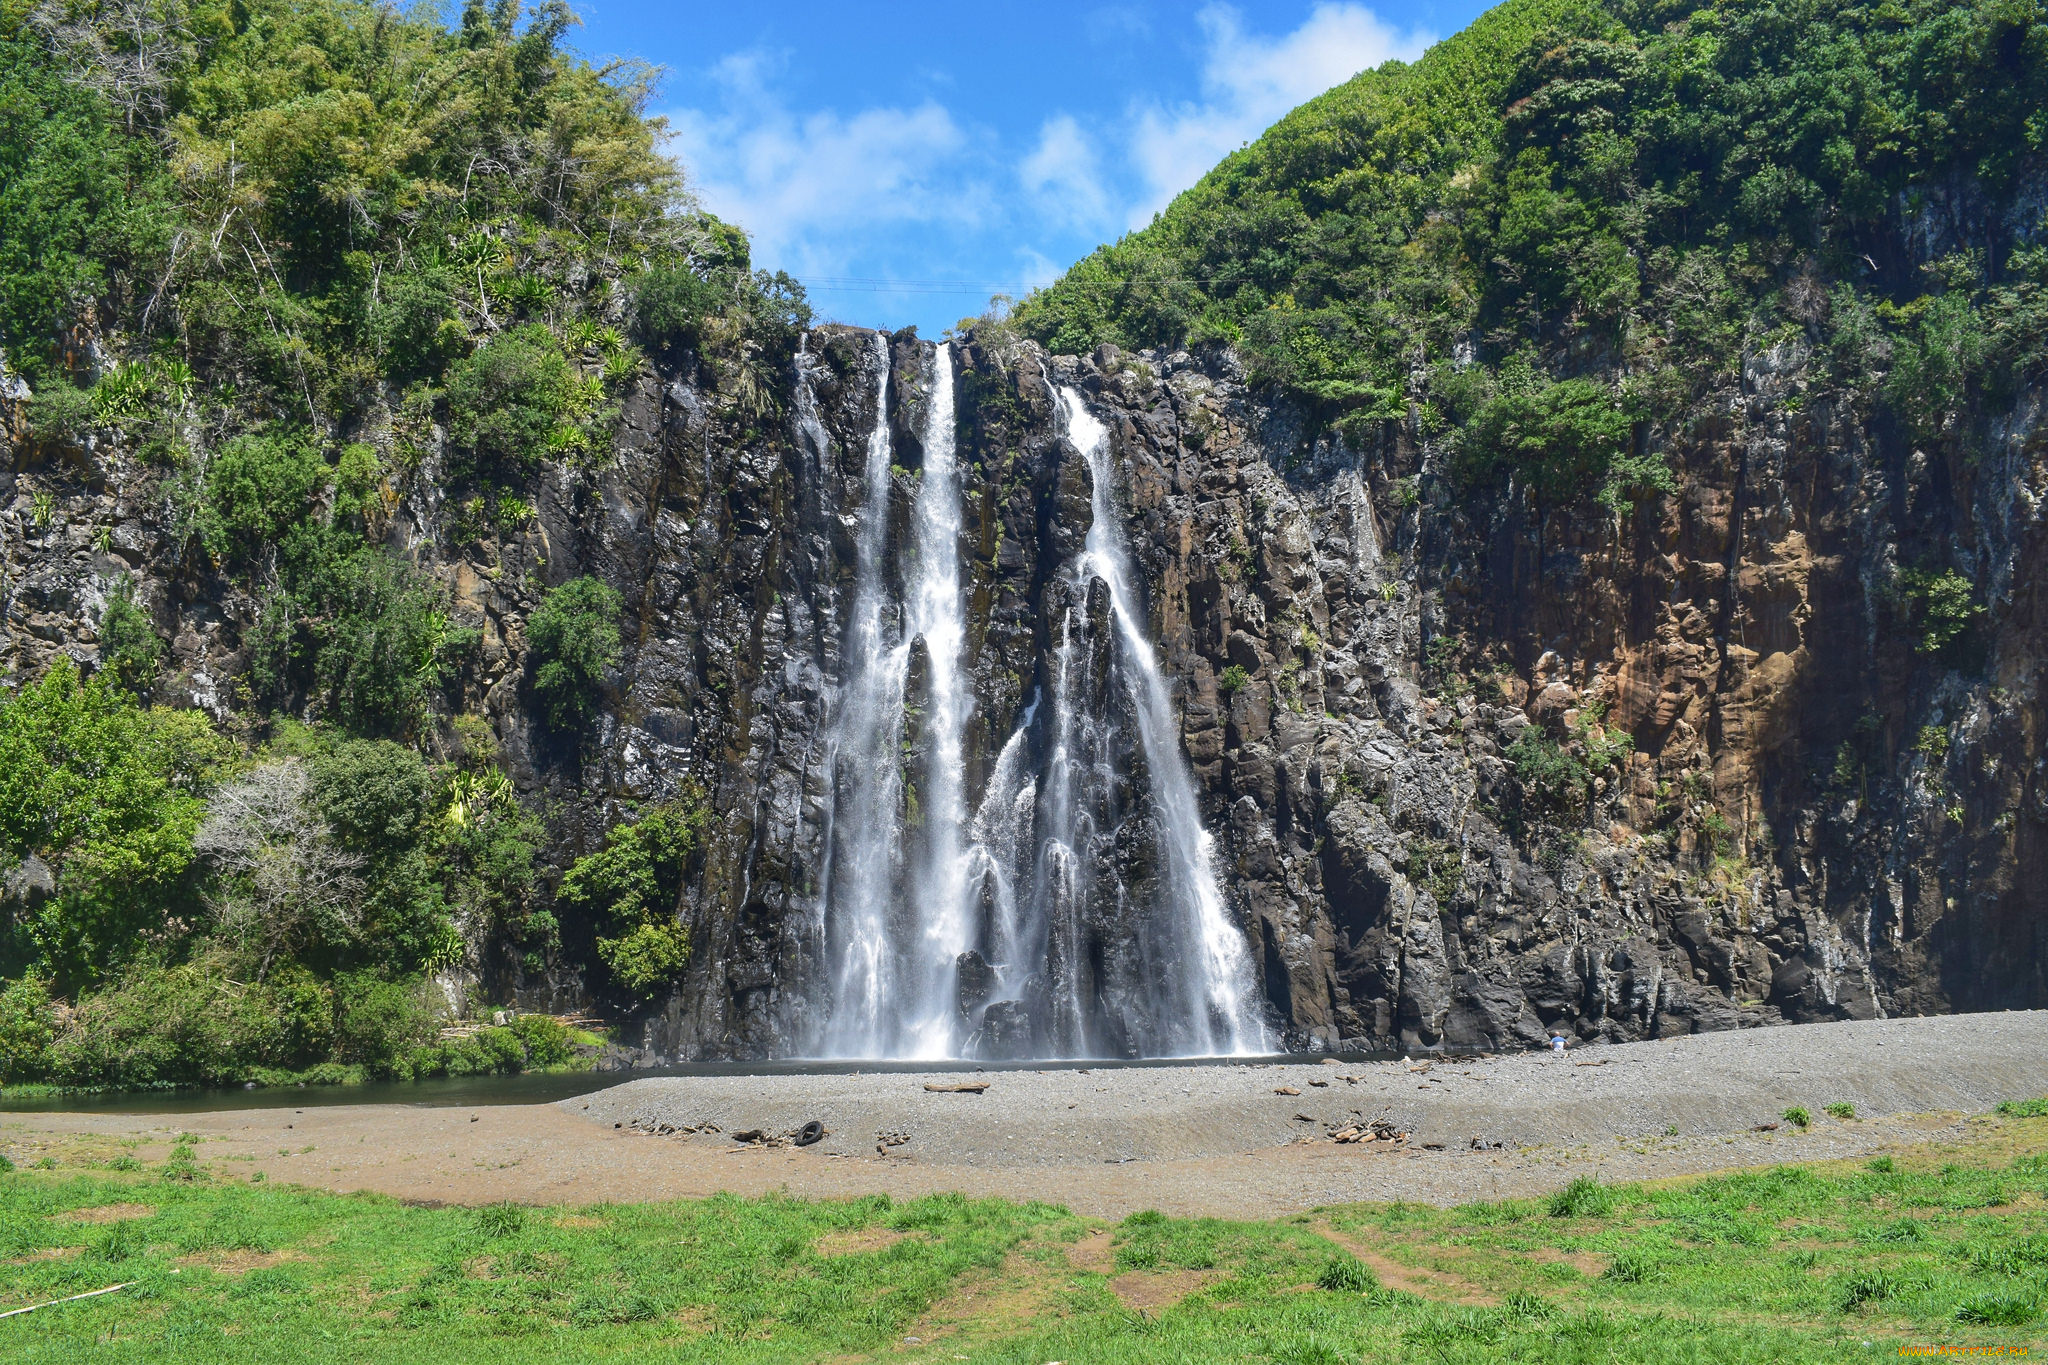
794	180
1063	175
1247	84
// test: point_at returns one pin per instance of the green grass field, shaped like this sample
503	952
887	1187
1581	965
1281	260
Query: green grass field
1937	1246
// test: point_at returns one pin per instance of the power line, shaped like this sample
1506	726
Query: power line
859	284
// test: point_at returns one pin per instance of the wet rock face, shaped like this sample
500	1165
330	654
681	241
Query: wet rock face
1366	670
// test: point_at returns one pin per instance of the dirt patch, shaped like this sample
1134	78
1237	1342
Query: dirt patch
857	1241
985	1307
109	1213
1585	1262
45	1254
1150	1291
1093	1253
1438	1285
242	1261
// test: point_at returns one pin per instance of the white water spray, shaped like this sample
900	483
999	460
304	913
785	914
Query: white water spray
1209	955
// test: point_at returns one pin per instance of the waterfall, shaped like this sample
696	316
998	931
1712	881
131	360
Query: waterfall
892	895
1202	1001
856	887
938	618
1083	877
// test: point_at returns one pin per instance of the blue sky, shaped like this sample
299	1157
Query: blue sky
941	150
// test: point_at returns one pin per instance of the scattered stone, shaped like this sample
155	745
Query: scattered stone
1765	1128
1379	1130
1285	1090
1304	1118
961	1088
1320	1085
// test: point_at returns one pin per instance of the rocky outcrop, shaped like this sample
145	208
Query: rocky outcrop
1811	820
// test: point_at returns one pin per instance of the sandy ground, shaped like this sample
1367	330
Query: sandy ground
1212	1140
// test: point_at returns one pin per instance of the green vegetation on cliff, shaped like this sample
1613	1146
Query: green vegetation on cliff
1552	234
291	253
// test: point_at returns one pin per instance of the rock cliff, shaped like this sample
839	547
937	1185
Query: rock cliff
1405	707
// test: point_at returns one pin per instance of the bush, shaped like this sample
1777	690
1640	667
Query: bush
647	956
1583	1198
378	1022
574	638
201	1023
546	1042
414	326
514	401
1798	1117
357	629
60	412
1940	606
105	792
669	307
635	884
256	489
1562	438
1841	1110
27	1025
1232	680
2023	1109
130	648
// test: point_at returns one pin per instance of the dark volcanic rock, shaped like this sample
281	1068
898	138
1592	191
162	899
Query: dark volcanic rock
1363	664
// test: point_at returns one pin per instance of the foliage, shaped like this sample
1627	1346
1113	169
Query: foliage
574	637
84	208
634	884
2023	1109
130	648
257	488
27	1024
516	401
1569	220
1232	680
1940	607
1798	1118
355	629
110	796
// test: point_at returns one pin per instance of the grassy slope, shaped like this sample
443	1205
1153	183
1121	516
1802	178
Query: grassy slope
1788	1264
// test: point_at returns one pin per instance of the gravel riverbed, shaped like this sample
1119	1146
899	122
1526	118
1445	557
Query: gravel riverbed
1187	1140
1701	1086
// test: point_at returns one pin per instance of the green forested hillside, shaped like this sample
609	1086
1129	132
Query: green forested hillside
1609	205
277	251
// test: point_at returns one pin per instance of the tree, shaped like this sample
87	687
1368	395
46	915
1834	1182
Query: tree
634	885
574	637
130	648
284	884
109	795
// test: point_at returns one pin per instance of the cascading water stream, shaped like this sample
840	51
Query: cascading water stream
857	883
1084	876
1206	951
892	894
937	887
